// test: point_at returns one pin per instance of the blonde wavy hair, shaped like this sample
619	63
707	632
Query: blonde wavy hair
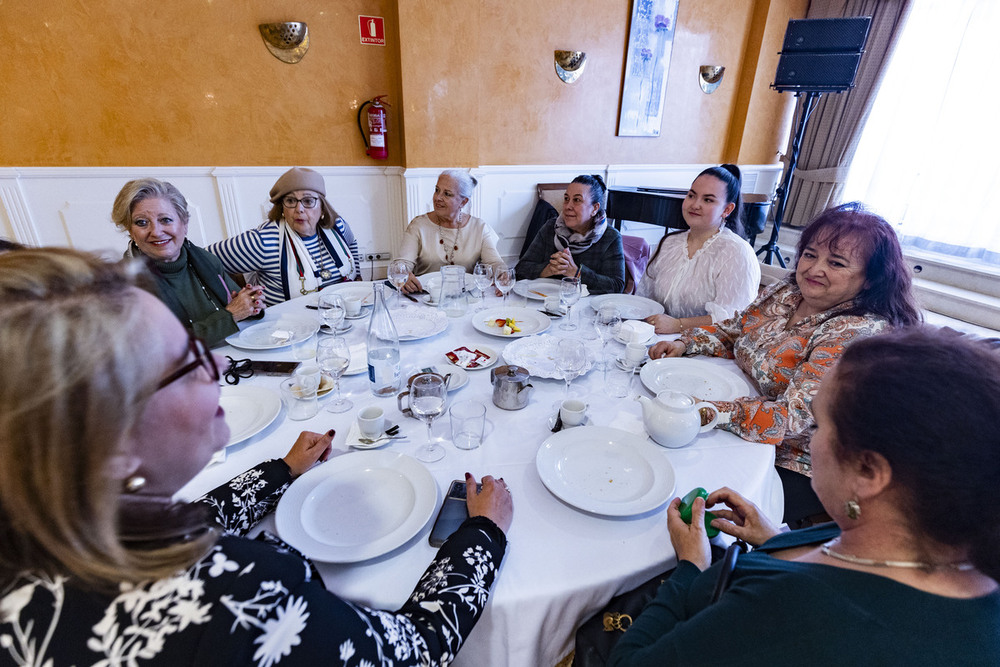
72	381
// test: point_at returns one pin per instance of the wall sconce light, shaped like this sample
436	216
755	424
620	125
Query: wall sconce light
287	41
710	77
570	65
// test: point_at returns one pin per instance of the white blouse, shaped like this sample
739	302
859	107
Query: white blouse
720	280
423	251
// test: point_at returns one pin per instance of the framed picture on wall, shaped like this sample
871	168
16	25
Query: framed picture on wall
650	41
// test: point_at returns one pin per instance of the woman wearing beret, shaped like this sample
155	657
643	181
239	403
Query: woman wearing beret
303	247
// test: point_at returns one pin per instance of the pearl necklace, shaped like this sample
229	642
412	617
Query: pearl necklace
915	565
450	259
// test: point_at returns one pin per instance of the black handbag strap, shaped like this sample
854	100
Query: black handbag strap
726	570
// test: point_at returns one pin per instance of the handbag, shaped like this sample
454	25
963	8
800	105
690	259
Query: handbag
598	635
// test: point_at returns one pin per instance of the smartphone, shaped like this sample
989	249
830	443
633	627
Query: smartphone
685	510
452	513
274	367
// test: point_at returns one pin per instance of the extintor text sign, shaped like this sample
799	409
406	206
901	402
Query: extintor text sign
372	30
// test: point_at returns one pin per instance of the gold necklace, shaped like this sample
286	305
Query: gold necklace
909	564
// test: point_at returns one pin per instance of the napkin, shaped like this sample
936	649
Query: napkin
635	331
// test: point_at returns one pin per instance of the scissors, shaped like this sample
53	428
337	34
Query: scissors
238	368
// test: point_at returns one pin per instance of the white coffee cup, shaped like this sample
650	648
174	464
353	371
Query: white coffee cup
371	421
552	304
573	412
635	353
352	305
308	376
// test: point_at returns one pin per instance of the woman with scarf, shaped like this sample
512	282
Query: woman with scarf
303	247
189	280
579	241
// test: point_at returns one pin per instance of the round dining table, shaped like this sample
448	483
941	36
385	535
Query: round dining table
563	563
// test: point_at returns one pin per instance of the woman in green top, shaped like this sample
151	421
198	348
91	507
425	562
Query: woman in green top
907	462
189	280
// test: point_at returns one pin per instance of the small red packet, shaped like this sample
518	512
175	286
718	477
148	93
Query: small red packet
466	358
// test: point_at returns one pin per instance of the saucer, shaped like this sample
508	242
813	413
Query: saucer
620	362
344	328
552	423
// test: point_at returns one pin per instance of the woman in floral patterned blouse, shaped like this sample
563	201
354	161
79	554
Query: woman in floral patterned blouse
107	408
850	282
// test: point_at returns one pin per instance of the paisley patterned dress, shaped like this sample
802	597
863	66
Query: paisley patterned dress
786	359
248	602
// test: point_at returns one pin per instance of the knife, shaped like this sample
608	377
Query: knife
408	296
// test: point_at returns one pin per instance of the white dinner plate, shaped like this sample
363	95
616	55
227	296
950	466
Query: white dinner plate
539	288
694	377
538	355
361	289
272	335
605	470
357	506
416	322
529	321
249	410
343	328
630	306
491	357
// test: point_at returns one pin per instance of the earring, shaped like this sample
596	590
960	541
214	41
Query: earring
853	509
133	484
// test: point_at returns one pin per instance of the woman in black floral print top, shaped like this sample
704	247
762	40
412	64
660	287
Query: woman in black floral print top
106	410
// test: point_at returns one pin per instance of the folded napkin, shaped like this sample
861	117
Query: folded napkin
635	331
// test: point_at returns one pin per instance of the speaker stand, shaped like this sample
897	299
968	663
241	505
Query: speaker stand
771	247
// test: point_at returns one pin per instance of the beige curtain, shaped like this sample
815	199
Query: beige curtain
832	135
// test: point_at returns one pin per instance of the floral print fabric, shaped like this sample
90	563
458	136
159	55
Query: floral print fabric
250	603
786	359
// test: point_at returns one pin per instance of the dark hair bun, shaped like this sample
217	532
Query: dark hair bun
734	170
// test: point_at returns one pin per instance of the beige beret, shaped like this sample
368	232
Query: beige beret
298	178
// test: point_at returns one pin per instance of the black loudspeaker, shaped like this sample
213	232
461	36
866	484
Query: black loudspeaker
826	35
821	55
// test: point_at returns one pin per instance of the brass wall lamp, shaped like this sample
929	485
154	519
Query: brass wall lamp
287	41
570	65
710	77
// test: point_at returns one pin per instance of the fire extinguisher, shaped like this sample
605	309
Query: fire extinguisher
375	142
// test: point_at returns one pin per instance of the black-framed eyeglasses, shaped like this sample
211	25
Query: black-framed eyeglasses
203	358
307	202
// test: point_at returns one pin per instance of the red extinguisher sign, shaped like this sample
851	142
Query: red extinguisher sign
372	30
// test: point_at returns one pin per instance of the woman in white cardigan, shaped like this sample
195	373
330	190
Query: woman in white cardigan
448	235
710	272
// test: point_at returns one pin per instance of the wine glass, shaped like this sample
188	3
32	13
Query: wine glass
483	277
427	397
332	308
607	322
505	280
399	273
333	357
569	294
571	358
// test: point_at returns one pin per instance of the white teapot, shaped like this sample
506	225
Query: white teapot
672	418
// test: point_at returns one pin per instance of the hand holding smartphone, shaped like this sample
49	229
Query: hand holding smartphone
454	510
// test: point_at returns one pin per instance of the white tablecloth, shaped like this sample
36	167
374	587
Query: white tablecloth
562	564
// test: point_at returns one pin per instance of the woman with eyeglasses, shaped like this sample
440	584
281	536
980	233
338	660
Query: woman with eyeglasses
303	247
188	279
107	408
448	235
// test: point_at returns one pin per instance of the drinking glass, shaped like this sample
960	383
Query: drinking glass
571	358
333	357
483	277
608	322
398	273
569	294
505	280
427	396
333	310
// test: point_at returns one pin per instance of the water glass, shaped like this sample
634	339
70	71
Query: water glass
607	322
569	294
505	280
334	356
468	422
305	349
482	275
428	393
398	273
300	401
333	310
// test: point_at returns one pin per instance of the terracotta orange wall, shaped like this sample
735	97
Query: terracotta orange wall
480	87
187	82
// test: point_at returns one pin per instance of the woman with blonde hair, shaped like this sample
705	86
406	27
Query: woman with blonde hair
107	408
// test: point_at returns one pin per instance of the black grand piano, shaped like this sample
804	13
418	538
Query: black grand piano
662	206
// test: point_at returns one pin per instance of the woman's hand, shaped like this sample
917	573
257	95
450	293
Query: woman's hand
665	324
309	448
561	263
493	502
743	520
248	301
690	542
667	348
412	284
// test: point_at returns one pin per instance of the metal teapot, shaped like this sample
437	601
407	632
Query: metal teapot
510	387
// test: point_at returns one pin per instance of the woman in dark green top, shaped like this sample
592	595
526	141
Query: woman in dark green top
907	462
189	280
